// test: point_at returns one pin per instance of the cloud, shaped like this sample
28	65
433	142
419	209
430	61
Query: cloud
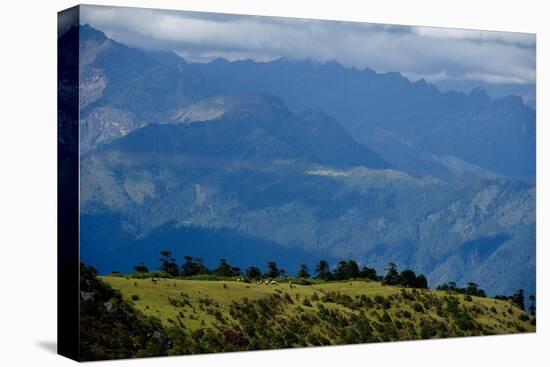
434	54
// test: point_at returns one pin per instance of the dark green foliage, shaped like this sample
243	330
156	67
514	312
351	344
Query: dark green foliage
303	272
273	270
322	270
421	282
408	278
114	329
253	272
368	273
141	268
382	301
427	330
168	264
392	275
193	266
346	270
449	287
110	328
182	301
518	299
471	289
226	270
461	316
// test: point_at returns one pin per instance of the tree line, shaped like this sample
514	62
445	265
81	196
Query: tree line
472	289
344	270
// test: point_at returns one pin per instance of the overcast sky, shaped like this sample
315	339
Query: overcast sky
435	54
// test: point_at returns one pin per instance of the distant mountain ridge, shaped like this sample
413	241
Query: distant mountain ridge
289	157
409	124
255	126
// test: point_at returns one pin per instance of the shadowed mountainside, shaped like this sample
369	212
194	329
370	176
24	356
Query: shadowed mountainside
225	147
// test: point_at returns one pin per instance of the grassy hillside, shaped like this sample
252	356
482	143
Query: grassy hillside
208	316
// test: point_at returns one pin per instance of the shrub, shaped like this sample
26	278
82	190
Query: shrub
427	331
465	322
313	340
382	301
417	307
385	318
135	297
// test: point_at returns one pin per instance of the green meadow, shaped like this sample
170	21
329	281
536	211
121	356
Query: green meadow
318	314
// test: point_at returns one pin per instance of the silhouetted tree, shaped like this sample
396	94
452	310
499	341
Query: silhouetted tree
272	270
519	299
253	272
322	270
193	266
342	271
408	278
303	272
200	268
353	269
168	264
473	290
226	270
392	275
187	267
450	287
368	273
141	268
421	282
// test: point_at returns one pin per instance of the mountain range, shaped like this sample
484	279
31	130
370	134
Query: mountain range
296	161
